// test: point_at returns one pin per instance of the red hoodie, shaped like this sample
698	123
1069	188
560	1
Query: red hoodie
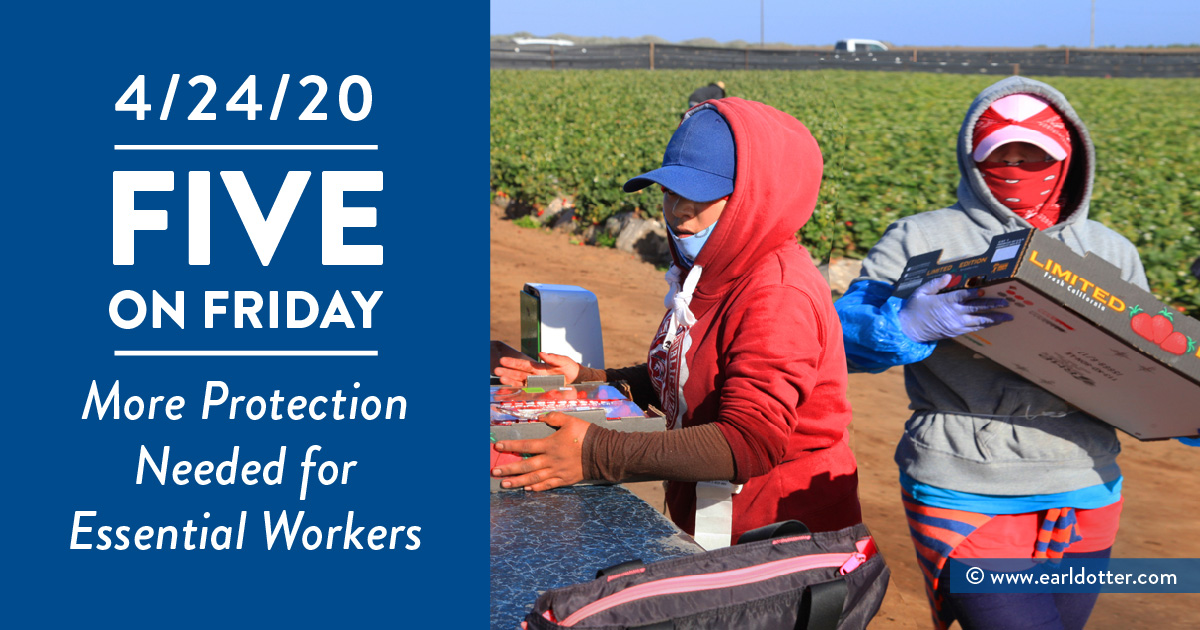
764	359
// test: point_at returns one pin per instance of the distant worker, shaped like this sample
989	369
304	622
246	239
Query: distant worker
709	92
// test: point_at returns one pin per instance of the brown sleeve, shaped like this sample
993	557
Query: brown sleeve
640	387
697	453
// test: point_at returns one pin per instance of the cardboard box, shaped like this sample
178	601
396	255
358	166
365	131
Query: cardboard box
1081	332
532	430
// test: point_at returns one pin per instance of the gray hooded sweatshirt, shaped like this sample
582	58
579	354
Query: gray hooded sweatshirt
978	427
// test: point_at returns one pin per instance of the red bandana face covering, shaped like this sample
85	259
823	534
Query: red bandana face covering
1030	189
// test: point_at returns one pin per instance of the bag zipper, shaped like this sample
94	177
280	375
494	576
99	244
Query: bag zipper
736	577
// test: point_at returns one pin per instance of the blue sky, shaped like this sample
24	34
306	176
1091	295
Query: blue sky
914	23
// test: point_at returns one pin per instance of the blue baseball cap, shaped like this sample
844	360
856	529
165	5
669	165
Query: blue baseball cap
700	161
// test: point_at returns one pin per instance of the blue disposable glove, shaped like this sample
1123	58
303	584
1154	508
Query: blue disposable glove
928	316
871	329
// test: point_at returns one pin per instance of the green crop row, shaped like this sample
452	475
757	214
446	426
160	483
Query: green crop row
888	141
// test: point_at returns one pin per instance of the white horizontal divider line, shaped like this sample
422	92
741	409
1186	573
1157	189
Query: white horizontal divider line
246	147
245	353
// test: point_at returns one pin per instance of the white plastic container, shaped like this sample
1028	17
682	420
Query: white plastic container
562	319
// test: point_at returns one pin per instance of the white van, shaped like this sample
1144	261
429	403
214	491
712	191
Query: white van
541	41
860	45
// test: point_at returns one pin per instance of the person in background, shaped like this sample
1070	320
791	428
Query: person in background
991	465
712	91
747	365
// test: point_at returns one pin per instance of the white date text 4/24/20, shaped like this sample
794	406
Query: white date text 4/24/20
245	98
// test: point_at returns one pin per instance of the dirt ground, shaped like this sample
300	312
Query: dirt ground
1162	503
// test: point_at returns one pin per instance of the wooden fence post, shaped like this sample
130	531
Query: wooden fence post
552	56
914	55
1067	52
747	51
651	55
1016	69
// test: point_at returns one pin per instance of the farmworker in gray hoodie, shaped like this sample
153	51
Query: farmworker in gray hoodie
991	465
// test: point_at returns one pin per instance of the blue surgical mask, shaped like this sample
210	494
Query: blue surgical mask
689	247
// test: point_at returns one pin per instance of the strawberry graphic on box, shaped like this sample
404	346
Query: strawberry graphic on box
1140	322
1178	343
1162	326
1160	329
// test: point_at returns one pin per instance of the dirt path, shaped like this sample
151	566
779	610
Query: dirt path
1162	501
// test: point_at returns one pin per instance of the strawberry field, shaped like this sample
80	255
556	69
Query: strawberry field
888	141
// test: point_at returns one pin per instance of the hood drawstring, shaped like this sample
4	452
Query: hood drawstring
679	299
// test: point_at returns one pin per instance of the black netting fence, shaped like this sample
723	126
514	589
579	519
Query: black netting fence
1048	62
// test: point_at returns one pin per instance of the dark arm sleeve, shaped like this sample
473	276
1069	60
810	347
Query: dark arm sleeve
640	386
698	453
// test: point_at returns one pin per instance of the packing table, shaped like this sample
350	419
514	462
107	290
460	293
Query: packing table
543	540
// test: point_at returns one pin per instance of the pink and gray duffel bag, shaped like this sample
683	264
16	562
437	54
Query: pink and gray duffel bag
778	577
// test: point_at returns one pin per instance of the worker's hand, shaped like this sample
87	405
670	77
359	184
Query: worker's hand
501	349
556	460
928	316
515	371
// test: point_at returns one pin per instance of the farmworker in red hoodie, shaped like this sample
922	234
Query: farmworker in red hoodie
992	465
748	363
